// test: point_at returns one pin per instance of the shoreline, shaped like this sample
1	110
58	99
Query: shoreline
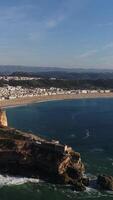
39	99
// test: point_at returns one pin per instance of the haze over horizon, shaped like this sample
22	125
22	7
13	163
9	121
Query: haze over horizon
54	33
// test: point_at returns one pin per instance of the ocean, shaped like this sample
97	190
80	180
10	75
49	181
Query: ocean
85	124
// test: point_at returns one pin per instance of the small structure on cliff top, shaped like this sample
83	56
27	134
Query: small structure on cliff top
3	119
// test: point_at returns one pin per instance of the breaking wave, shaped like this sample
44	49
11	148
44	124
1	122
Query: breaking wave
91	191
11	180
87	134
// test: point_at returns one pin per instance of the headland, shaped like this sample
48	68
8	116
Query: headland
33	156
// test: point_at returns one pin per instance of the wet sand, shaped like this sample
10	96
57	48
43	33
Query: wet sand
30	100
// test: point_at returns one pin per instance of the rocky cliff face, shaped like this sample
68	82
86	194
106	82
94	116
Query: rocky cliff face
29	155
3	119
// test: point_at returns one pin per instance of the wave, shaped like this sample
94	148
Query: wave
87	134
11	180
72	136
110	159
97	150
91	191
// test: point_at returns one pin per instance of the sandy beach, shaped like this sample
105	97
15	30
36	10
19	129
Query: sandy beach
29	100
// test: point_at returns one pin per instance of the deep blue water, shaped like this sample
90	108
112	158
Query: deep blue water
86	125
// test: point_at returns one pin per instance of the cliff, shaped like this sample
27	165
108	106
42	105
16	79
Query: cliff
3	119
30	155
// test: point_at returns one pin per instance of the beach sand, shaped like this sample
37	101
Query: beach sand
29	100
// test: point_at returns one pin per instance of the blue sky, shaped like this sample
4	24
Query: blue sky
66	33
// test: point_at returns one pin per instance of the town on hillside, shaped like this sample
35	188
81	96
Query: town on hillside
14	87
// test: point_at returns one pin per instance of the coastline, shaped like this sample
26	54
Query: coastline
38	99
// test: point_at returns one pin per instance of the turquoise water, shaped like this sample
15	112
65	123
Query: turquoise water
86	125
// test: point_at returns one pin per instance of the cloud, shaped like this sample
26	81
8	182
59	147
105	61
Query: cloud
92	52
34	36
27	21
107	46
55	21
88	53
108	24
15	13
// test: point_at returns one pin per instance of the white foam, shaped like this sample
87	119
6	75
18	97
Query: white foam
72	136
89	190
87	134
110	192
10	180
110	159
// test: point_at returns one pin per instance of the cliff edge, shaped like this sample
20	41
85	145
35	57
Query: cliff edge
30	155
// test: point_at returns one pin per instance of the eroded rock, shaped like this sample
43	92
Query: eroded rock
105	182
30	155
3	119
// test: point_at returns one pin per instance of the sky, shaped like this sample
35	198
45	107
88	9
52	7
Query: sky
57	33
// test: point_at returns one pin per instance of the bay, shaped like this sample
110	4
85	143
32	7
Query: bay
85	124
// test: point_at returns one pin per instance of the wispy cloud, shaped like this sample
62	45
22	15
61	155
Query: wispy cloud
25	22
34	19
55	21
15	13
88	53
108	24
92	52
107	46
27	19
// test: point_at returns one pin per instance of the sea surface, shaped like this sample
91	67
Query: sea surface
85	124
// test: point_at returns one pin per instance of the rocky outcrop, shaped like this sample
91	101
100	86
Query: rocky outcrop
3	119
105	182
30	155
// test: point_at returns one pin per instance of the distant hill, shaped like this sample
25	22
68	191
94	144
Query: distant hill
59	73
17	68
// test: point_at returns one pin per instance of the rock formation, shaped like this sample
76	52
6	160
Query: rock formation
3	119
30	155
105	182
